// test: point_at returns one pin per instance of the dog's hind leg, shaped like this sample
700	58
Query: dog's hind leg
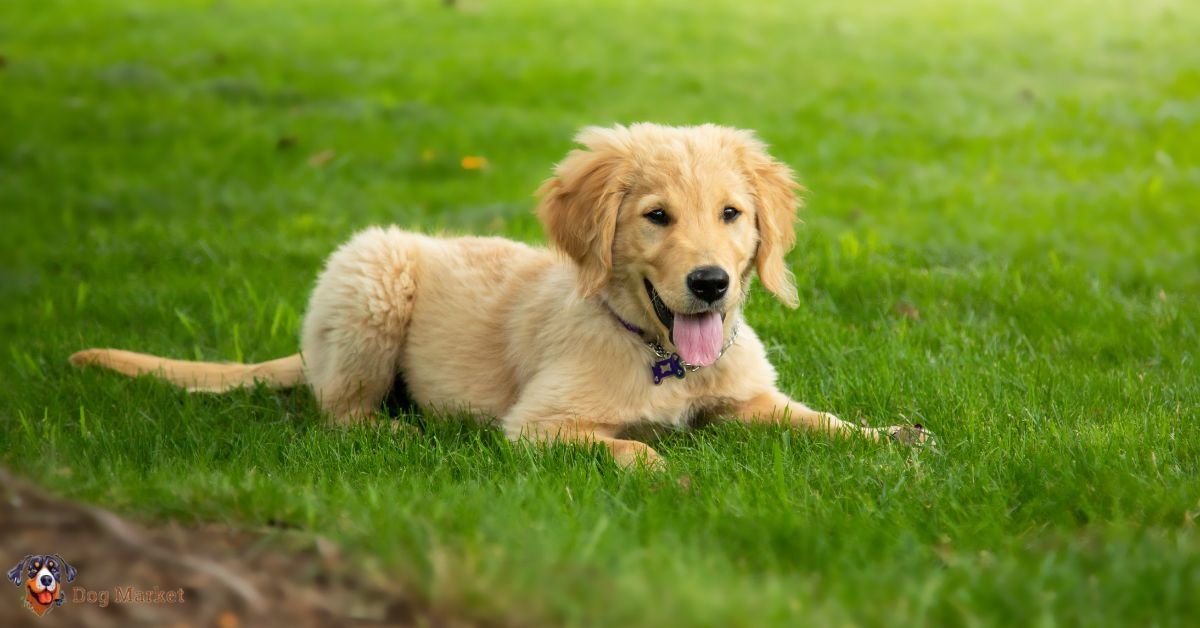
356	322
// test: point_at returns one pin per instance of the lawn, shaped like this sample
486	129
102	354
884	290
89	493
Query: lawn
1001	242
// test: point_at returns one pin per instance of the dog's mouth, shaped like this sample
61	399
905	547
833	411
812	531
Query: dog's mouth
45	598
698	336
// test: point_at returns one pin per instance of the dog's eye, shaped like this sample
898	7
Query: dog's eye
730	214
658	217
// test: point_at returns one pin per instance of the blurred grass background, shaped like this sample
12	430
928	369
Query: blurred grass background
1000	242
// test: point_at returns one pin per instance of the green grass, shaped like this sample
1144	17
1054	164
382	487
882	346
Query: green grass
1025	175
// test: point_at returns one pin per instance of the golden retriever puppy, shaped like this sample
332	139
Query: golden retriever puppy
637	316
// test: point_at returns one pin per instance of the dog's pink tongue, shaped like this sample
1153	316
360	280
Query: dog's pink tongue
698	337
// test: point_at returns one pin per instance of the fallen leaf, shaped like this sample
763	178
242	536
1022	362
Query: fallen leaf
472	162
907	310
228	620
321	158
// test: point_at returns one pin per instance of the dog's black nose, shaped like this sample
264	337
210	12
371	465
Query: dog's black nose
47	581
708	283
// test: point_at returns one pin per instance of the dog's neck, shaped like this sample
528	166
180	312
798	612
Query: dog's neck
624	323
628	312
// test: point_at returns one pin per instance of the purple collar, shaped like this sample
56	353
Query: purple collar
624	323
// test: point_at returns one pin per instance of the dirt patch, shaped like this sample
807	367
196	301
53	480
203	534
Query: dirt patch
228	578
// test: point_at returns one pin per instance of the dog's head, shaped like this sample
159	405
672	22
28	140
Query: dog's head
669	223
43	577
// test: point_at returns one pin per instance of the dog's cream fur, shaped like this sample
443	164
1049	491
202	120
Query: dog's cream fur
525	335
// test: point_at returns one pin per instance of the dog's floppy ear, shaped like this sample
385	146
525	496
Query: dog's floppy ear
776	194
17	572
579	203
67	570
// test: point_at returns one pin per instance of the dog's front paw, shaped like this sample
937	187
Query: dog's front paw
638	455
913	435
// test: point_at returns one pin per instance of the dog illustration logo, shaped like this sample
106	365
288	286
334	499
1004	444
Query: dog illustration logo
43	577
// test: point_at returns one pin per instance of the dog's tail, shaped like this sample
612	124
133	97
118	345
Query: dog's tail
197	376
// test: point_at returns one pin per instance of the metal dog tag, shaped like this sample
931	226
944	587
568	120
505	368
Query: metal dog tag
666	367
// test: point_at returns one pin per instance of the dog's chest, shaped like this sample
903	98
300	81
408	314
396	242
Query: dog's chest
676	402
669	414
